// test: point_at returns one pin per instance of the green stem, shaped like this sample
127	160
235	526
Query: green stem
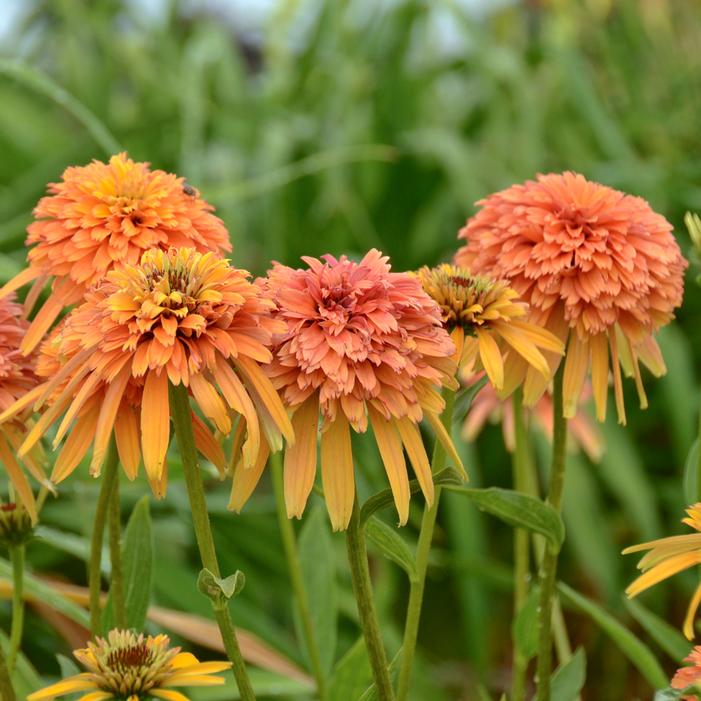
294	566
7	693
698	462
117	574
548	570
521	470
362	589
109	476
17	559
182	422
423	548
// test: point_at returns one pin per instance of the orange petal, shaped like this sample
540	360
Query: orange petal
210	402
155	427
246	478
77	443
617	381
300	458
390	447
108	413
20	280
46	316
18	478
126	435
337	472
414	446
691	614
208	445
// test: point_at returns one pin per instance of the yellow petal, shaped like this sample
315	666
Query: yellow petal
617	381
155	427
168	695
337	474
600	373
691	614
300	458
209	401
414	446
246	478
77	443
665	569
519	340
490	355
576	366
390	447
651	356
541	337
97	696
108	413
444	438
268	394
208	445
80	682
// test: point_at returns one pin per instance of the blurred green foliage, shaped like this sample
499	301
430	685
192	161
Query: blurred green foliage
381	124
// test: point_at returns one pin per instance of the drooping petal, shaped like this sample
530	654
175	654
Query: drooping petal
414	446
576	366
490	355
155	427
126	434
300	458
246	478
337	472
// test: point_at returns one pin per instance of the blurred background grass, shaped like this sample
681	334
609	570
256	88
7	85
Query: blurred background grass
337	126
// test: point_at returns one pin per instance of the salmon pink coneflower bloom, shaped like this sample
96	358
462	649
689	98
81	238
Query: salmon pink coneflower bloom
124	665
17	378
101	215
362	345
179	317
485	319
668	556
690	675
597	267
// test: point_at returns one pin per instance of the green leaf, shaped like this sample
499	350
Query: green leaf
218	589
352	675
665	635
524	628
635	650
568	679
465	397
385	498
392	545
317	560
516	509
137	568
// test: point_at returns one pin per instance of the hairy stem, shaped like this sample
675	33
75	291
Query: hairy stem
548	570
362	589
182	422
109	477
17	559
423	548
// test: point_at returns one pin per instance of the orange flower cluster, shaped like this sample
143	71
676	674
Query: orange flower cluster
595	265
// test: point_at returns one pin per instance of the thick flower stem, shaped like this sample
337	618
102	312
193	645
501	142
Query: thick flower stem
548	570
362	589
17	559
116	572
294	566
109	477
182	422
7	693
521	471
423	548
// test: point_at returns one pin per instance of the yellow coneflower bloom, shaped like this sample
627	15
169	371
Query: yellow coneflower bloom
667	557
179	317
485	321
132	667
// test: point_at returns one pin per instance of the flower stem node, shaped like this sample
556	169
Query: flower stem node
220	590
16	527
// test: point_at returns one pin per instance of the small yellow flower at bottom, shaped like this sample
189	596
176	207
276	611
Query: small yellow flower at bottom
667	557
131	666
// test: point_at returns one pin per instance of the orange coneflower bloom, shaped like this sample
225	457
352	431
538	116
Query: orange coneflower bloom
595	265
361	343
17	378
489	406
179	316
485	319
103	214
134	667
666	557
690	675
